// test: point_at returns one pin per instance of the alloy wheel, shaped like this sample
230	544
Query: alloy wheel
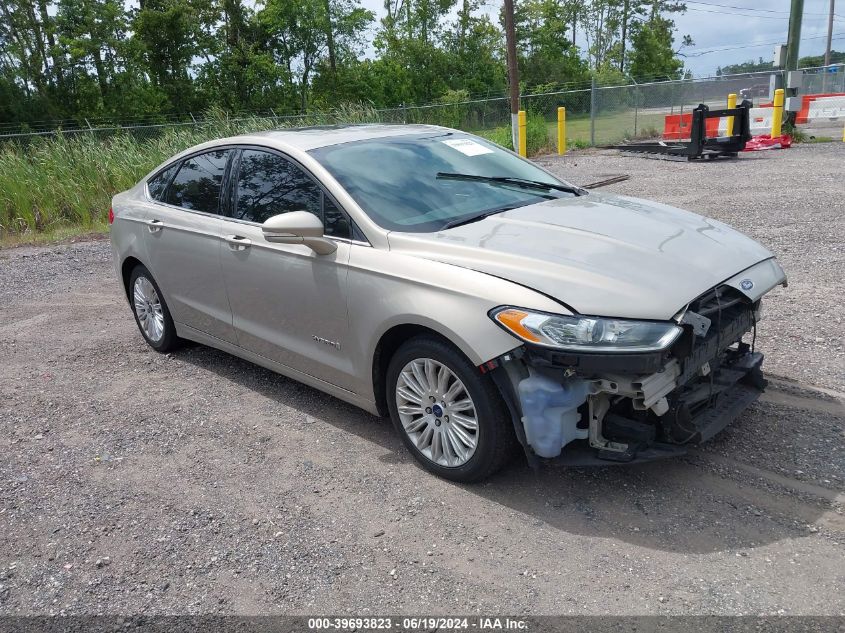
148	309
437	412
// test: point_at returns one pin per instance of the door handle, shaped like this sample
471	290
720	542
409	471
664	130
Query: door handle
155	226
238	242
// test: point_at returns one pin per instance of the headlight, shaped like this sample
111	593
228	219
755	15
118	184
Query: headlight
586	334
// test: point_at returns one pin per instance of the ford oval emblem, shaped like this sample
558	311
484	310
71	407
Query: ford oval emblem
746	284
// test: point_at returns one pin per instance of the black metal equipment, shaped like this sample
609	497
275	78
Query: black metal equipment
699	145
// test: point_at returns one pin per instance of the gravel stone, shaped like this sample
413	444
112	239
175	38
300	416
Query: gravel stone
161	463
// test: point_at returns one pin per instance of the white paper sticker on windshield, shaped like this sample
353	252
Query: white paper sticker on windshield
468	146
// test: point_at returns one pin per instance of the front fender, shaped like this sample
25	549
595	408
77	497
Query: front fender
387	289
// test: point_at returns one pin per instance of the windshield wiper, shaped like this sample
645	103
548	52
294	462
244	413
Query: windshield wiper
475	218
510	180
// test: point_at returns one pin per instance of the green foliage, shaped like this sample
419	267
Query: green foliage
745	67
110	60
69	179
652	57
454	111
798	135
536	135
761	65
157	61
810	61
546	51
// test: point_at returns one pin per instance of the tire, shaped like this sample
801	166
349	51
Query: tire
450	456
158	330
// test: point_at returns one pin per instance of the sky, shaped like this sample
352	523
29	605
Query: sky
755	26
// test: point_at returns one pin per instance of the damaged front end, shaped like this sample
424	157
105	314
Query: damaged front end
588	407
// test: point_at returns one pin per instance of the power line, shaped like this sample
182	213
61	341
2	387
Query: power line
760	17
753	9
745	15
836	36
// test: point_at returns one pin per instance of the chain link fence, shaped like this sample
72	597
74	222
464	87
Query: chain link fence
596	114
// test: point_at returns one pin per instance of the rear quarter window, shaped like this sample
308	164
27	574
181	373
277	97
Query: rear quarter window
157	185
197	184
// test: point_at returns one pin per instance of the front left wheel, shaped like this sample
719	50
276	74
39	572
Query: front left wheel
150	310
450	416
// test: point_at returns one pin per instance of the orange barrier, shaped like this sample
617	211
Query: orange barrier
806	100
678	126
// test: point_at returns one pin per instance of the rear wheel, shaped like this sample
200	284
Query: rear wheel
150	310
450	416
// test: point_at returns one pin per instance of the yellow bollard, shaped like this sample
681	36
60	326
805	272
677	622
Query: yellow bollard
843	134
729	131
777	113
561	130
523	141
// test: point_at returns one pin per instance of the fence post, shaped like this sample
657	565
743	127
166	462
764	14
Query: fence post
561	131
729	130
593	111
672	98
636	108
523	140
777	113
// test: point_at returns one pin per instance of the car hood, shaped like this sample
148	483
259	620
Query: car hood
599	254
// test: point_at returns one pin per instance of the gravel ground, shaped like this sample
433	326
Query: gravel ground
197	483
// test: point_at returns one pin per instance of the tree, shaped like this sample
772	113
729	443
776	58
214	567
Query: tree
602	28
546	54
88	58
414	64
299	32
652	55
91	32
745	67
474	47
166	34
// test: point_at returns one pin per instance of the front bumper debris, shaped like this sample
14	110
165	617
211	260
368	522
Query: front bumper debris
599	409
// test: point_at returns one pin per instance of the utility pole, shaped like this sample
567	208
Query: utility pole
829	35
796	12
513	72
624	35
793	39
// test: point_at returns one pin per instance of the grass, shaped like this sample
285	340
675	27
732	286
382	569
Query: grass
609	128
613	127
52	188
819	139
60	235
536	135
55	187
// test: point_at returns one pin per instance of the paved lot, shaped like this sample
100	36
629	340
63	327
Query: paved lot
197	483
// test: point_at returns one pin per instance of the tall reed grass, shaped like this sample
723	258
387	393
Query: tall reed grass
52	183
62	183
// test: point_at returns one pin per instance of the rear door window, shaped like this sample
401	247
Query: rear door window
198	183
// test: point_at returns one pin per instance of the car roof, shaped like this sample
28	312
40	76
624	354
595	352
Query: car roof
308	138
303	139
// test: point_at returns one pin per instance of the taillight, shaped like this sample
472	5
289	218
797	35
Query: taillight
111	215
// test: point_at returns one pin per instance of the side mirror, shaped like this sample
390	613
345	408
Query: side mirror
298	227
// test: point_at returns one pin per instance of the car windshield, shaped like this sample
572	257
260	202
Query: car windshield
423	182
